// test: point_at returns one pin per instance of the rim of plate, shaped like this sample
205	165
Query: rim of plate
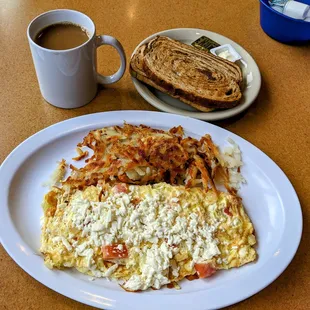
152	99
109	299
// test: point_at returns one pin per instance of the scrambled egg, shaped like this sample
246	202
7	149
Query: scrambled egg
145	236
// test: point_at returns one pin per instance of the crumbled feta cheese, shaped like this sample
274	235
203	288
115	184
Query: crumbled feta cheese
66	243
233	161
56	239
109	271
134	283
120	247
80	249
97	226
157	220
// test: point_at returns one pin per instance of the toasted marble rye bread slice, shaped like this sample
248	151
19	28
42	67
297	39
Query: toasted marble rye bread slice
196	77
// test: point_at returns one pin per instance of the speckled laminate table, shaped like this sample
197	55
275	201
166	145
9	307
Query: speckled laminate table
278	122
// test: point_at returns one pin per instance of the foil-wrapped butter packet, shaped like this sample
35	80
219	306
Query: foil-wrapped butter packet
205	43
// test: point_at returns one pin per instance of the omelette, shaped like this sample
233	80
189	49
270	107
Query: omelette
145	236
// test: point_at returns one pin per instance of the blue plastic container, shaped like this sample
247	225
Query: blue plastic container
283	28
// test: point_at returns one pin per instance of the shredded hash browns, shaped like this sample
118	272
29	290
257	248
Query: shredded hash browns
143	155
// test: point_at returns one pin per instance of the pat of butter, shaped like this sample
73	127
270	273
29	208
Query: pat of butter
227	52
226	55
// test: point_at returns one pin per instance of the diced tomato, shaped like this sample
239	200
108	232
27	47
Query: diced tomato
227	211
120	188
204	270
114	251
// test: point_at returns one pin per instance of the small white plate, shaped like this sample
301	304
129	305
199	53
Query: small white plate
166	103
268	197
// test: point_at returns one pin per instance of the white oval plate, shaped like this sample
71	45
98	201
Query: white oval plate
166	103
269	199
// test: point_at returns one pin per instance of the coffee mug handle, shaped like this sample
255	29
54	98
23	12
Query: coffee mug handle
108	40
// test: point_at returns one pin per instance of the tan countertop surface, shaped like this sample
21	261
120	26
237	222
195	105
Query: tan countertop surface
277	123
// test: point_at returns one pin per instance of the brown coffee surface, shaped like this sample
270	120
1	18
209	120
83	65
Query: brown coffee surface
61	36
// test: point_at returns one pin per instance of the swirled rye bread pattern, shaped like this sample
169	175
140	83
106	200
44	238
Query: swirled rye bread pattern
198	78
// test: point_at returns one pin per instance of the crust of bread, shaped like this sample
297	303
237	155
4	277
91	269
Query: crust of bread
147	81
141	69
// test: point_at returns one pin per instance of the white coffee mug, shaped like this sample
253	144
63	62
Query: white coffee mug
68	78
